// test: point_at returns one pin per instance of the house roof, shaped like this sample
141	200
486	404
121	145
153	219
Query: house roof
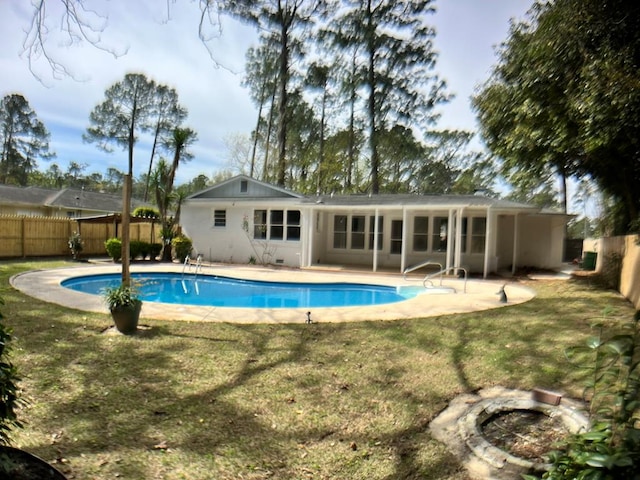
255	190
445	201
67	198
243	187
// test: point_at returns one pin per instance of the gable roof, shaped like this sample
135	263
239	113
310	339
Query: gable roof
243	187
67	198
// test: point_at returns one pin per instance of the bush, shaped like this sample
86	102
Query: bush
114	248
135	249
75	244
182	247
9	392
145	249
610	449
154	250
146	212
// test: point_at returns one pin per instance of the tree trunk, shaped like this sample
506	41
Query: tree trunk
126	201
371	78
282	106
153	153
255	135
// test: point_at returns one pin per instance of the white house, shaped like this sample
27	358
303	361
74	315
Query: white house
242	219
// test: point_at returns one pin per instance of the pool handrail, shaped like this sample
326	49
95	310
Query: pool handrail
441	273
418	266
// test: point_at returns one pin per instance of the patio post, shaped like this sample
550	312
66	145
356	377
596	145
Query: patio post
516	242
488	240
376	226
449	253
457	261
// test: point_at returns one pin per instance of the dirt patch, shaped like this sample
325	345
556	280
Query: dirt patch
525	433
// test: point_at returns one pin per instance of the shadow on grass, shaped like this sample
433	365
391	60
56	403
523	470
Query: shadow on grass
274	400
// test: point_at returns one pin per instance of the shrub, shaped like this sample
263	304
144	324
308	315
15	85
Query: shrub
154	250
146	212
145	249
9	392
114	248
75	244
135	249
182	247
610	449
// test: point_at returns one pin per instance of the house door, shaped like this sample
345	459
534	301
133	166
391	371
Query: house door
396	237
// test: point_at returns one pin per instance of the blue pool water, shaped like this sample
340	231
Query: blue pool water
230	292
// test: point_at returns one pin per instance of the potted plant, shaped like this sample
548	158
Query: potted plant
125	306
75	245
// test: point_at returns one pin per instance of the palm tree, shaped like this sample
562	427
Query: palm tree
162	181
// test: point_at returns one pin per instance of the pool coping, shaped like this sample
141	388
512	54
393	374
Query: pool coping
481	294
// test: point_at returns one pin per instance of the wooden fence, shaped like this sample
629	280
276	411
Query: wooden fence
627	250
23	236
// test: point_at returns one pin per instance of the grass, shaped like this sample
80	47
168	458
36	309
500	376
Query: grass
324	401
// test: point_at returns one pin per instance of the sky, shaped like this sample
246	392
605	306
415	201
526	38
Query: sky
165	46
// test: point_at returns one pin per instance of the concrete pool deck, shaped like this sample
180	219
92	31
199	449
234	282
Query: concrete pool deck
480	294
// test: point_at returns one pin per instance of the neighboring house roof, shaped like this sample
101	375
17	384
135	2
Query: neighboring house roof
67	198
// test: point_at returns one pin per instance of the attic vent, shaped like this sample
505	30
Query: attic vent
244	186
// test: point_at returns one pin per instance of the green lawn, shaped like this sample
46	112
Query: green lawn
324	401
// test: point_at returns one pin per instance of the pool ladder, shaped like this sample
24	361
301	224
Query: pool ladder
187	263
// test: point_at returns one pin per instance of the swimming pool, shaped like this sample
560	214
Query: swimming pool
219	291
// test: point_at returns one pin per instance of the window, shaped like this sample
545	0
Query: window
340	231
396	236
440	232
293	225
260	224
357	232
463	240
219	218
372	226
276	229
271	225
478	232
420	234
244	186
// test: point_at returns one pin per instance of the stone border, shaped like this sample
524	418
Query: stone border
459	427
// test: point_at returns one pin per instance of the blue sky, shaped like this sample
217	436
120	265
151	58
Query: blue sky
171	53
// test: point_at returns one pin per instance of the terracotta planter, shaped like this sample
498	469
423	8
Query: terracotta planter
20	465
126	317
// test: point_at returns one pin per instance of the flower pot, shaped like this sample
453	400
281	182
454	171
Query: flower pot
20	465
126	317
